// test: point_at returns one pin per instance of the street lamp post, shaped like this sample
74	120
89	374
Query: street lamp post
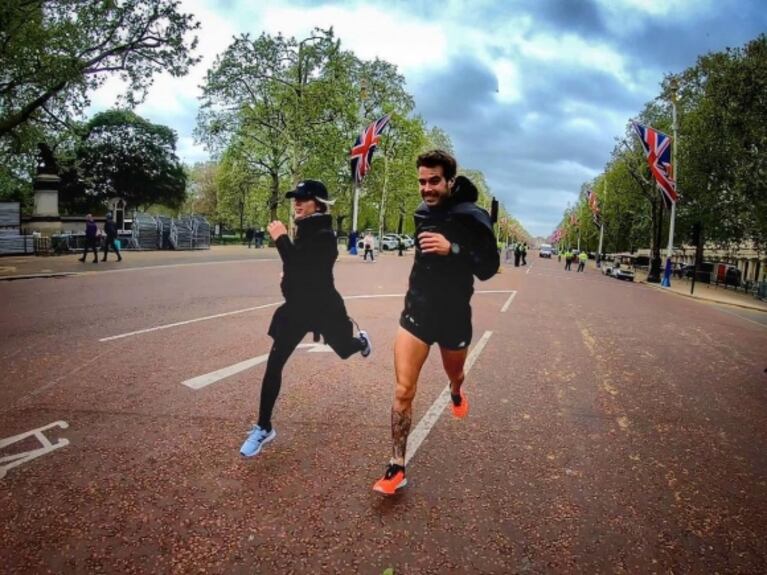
673	85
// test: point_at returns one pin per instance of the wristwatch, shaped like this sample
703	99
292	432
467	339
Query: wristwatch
455	249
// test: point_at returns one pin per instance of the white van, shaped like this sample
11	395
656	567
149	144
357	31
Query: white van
545	251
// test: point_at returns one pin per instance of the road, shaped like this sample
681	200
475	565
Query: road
613	429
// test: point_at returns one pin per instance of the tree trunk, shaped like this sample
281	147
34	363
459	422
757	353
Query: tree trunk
274	198
242	217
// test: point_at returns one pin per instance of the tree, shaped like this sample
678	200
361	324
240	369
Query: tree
202	190
724	144
53	53
274	97
122	154
237	188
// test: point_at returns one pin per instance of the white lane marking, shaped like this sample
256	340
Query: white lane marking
508	302
10	461
424	426
528	269
188	321
247	309
206	379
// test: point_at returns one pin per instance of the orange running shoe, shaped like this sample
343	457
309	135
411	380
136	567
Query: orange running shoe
393	479
462	409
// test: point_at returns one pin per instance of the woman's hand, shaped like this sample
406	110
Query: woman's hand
276	229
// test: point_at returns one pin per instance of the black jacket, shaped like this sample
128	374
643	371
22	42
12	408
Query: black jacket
110	229
437	281
307	263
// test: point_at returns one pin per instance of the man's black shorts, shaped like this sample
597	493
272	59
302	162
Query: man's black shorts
449	327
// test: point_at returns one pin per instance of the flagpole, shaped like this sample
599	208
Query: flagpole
356	206
674	145
601	230
382	209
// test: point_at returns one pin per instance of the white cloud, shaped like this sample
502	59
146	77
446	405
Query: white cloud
397	38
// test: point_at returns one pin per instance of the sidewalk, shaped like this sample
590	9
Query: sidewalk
711	293
27	267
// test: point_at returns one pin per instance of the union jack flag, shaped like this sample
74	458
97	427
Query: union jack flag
362	152
591	197
657	148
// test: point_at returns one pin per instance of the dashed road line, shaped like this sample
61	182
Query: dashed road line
258	307
508	302
214	376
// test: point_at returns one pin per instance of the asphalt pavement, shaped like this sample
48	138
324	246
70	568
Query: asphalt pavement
613	429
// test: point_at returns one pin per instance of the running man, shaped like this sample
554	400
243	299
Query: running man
455	242
312	303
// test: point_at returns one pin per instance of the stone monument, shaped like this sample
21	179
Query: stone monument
45	218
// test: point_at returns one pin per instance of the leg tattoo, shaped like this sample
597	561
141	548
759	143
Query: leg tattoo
400	429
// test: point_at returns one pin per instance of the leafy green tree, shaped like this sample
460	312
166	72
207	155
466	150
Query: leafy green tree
276	97
723	143
54	53
202	190
122	154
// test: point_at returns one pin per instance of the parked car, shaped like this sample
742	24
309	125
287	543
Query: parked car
623	274
390	242
409	242
619	270
705	272
545	251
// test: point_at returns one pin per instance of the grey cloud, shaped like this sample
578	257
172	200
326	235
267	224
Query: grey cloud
581	16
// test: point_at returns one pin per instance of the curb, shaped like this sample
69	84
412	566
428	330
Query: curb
716	301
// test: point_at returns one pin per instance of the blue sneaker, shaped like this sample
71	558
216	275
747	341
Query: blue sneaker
256	440
368	349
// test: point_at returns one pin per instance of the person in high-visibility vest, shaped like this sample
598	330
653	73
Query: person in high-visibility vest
568	259
582	259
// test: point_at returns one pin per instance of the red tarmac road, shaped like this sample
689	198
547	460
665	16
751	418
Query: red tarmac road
613	429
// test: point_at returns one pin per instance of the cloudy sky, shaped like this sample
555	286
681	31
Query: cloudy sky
532	92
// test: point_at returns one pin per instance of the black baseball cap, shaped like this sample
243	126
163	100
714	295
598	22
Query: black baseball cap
309	190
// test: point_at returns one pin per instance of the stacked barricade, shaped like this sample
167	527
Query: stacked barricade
181	234
201	233
11	239
146	232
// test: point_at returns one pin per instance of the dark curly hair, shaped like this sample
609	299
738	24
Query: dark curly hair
434	158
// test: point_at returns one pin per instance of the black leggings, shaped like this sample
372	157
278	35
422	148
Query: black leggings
91	244
282	349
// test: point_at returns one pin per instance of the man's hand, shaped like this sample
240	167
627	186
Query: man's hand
432	243
276	229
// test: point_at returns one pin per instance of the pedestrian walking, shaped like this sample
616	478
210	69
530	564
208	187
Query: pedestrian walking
517	255
312	303
568	259
250	236
368	242
91	239
455	242
524	254
110	230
